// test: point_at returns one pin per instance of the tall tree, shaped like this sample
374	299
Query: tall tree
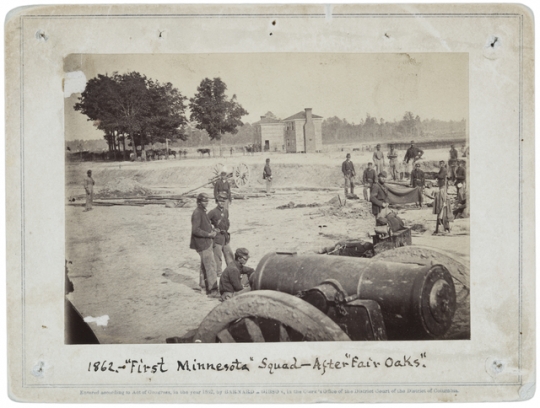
133	106
213	112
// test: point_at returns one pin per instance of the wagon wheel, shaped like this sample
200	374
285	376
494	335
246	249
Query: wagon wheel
241	175
267	316
217	169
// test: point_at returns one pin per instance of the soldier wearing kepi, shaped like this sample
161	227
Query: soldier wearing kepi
267	175
219	217
347	168
230	284
202	241
413	153
417	180
368	178
393	162
222	186
379	196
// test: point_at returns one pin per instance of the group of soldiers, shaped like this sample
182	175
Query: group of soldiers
374	179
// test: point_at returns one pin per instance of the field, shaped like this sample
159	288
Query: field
134	264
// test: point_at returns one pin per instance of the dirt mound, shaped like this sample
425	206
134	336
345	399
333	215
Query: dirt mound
123	187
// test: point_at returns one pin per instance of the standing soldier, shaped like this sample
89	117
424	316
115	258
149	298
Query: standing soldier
267	175
202	241
460	181
89	188
393	162
441	176
222	186
219	217
368	178
413	153
347	168
378	159
418	180
379	197
452	163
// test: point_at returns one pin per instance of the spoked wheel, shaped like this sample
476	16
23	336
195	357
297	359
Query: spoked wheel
267	316
241	175
217	169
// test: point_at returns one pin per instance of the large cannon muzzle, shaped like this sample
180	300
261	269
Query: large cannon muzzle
416	302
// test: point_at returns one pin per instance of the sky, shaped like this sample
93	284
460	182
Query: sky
431	85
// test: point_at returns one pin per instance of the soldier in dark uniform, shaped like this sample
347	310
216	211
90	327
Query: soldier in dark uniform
418	180
379	196
348	171
460	181
222	186
219	217
441	177
413	153
230	284
452	163
369	177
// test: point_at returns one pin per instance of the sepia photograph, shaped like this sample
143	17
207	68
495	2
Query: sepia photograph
246	201
350	185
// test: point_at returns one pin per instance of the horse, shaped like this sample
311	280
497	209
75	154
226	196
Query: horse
204	151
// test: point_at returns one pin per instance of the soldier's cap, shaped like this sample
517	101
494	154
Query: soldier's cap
370	164
417	165
348	155
412	141
242	253
378	145
451	145
222	196
383	174
203	197
267	160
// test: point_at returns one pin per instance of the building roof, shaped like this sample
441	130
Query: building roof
301	115
267	120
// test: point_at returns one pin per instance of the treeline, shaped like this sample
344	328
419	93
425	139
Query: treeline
133	110
371	129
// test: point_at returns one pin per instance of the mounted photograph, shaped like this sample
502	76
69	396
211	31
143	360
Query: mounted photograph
233	198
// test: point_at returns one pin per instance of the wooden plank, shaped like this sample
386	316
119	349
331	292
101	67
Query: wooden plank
283	335
225	337
254	331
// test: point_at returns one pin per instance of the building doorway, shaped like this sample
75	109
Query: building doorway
266	145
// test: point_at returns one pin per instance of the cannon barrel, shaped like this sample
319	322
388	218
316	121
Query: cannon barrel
416	302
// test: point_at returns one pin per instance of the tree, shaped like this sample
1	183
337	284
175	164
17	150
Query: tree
213	112
133	106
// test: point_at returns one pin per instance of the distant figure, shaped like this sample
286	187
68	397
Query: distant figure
378	159
369	177
143	155
347	168
413	153
89	188
417	180
452	163
267	175
231	151
393	162
460	181
222	186
441	176
379	197
185	153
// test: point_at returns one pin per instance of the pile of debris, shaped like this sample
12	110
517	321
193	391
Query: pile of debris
293	205
122	187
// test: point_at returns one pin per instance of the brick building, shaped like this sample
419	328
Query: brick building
298	133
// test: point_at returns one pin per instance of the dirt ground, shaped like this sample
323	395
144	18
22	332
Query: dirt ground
134	264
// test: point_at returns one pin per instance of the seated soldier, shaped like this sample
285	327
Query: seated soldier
230	283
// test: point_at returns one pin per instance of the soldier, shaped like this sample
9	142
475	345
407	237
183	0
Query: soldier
413	153
368	178
378	159
230	283
393	162
452	163
418	180
267	175
460	181
441	176
441	207
89	188
222	186
202	241
379	196
219	217
347	168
